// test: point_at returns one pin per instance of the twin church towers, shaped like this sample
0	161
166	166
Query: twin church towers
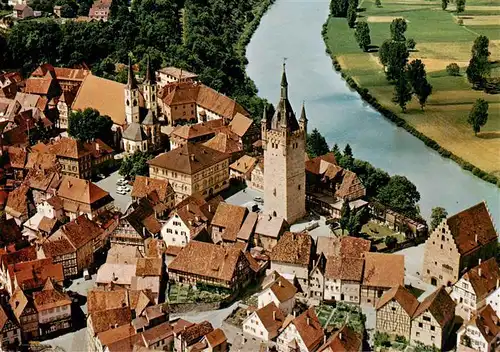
284	143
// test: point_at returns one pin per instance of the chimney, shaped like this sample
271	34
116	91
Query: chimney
147	182
274	315
308	321
69	184
479	272
324	339
479	261
209	208
294	314
97	147
187	207
486	330
191	156
475	237
498	283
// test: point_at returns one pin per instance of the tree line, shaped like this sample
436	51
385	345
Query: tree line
201	40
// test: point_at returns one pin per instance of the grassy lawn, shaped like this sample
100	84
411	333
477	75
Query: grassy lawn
440	41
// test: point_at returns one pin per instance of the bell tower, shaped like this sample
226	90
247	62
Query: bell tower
149	89
284	143
131	97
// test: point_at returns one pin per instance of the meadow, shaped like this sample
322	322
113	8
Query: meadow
441	40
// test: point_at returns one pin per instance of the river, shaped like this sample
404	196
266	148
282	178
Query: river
292	29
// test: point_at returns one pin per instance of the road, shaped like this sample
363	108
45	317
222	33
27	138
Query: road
215	317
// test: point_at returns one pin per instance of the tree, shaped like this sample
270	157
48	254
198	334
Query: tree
453	69
357	220
480	48
395	59
424	90
351	15
444	4
362	35
477	70
402	92
347	160
39	133
411	43
378	3
384	52
390	242
398	29
135	165
437	215
88	125
345	216
336	152
478	115
316	144
401	195
382	339
338	8
460	6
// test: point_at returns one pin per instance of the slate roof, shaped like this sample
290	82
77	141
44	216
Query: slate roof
134	132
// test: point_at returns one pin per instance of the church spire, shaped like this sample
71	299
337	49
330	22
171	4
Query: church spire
303	116
131	84
149	77
284	83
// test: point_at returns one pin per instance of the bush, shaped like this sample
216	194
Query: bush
453	69
382	339
390	242
410	43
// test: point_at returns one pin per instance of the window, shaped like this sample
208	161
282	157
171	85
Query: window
426	318
393	309
420	325
418	334
433	328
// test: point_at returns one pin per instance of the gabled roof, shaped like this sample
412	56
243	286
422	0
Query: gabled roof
244	164
17	203
309	329
195	332
50	297
216	337
377	265
282	288
38	85
69	148
440	305
343	340
144	185
354	247
17	157
270	226
189	132
104	95
209	260
143	217
230	217
485	283
271	317
240	124
189	158
344	268
104	319
401	295
293	248
79	190
18	302
177	72
487	322
248	226
218	103
223	143
469	224
80	231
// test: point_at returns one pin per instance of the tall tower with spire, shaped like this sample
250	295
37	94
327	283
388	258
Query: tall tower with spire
149	89
284	143
131	97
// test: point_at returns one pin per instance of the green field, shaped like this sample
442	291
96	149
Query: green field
440	41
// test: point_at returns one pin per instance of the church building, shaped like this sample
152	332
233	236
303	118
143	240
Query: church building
141	112
284	143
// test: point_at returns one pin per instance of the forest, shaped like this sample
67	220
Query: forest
202	36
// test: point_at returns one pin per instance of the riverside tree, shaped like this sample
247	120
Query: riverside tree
479	66
402	91
394	56
362	35
418	79
478	115
460	6
351	15
316	144
338	8
398	29
437	215
444	4
401	195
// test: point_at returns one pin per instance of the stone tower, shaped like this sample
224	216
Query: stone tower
284	143
149	89
131	97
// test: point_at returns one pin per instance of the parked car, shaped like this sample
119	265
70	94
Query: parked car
121	192
259	199
123	188
312	225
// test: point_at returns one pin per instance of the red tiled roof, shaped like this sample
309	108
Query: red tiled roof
309	329
440	305
469	223
271	317
230	217
293	248
50	297
485	283
377	265
80	231
401	295
38	85
343	340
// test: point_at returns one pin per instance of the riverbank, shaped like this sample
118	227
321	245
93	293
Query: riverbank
443	125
